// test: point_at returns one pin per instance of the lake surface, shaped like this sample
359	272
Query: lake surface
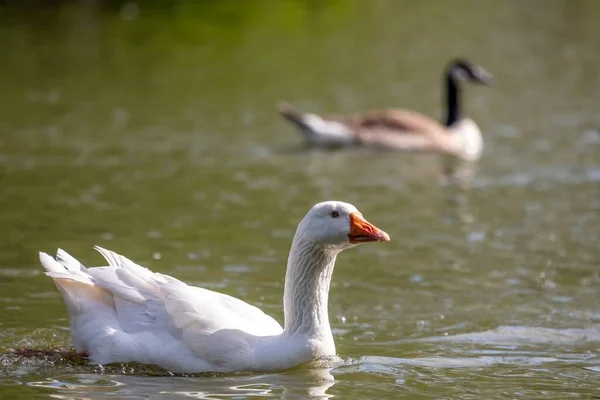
150	129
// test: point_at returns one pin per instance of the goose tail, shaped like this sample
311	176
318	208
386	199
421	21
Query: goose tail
291	114
73	281
65	266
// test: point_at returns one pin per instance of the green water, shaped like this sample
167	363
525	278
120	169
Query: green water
150	129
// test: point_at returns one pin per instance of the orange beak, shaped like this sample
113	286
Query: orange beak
362	231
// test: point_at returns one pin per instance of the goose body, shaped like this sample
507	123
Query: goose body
399	129
124	312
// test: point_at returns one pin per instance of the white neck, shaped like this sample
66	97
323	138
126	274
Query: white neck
306	293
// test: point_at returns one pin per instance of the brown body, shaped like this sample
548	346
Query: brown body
392	129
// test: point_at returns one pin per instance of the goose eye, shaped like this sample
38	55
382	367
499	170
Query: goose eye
334	214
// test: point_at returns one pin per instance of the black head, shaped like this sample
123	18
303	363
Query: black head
463	70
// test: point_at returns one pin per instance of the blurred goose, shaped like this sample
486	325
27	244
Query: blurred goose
398	129
124	312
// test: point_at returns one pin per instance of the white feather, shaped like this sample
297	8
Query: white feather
322	132
69	262
148	313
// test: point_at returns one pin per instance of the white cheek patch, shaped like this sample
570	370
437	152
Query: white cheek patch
460	74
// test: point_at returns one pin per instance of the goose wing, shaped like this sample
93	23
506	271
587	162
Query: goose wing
397	128
148	314
182	302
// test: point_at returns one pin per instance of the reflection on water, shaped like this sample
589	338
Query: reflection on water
486	356
149	128
457	179
298	384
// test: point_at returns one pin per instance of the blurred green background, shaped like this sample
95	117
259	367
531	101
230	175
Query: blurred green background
149	128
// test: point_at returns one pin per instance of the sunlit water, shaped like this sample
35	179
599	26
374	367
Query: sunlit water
151	130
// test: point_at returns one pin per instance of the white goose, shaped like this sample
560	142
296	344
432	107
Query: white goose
124	312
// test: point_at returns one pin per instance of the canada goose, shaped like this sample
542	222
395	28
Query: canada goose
398	129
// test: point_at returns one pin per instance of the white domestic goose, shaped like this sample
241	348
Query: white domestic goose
124	312
400	129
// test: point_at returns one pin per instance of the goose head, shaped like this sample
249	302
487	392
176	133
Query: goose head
463	70
337	226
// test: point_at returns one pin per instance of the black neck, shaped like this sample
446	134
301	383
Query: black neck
452	99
